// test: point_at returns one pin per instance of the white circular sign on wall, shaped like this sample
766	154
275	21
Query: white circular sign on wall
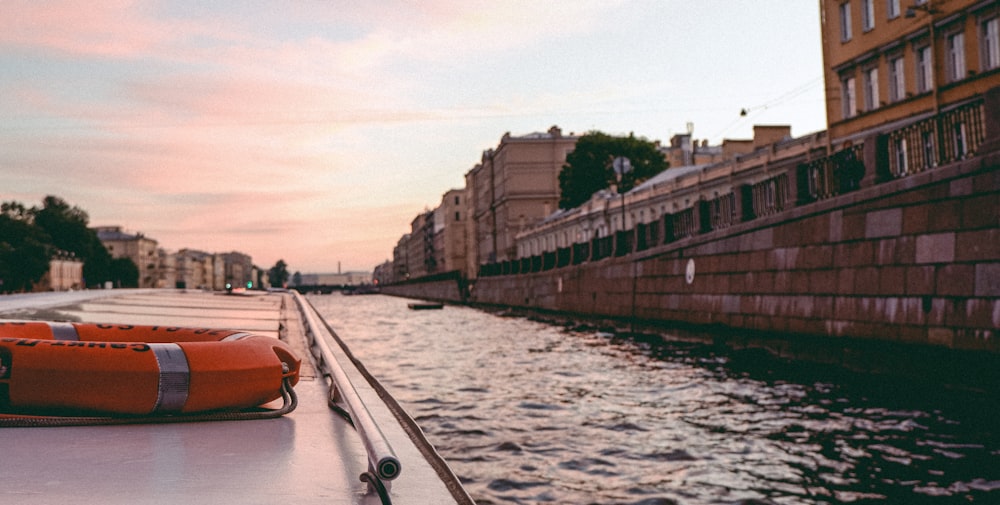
689	271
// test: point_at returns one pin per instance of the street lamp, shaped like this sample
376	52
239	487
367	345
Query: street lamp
622	166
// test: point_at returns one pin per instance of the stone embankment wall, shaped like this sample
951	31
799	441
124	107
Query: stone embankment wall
448	287
914	260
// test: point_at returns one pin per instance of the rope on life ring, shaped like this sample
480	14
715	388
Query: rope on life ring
58	374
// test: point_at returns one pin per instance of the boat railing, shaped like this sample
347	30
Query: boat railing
383	465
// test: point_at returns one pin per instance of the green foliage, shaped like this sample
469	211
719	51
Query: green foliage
67	227
588	168
278	274
124	273
24	249
30	237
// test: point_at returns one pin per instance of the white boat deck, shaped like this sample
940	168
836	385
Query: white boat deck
308	456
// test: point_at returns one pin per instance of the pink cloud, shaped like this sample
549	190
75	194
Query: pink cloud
108	28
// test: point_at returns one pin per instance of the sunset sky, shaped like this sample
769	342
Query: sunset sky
314	131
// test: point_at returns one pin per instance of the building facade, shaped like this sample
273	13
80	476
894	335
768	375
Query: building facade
336	279
400	259
65	274
420	257
238	270
453	215
200	270
140	249
515	186
384	273
677	203
166	269
888	63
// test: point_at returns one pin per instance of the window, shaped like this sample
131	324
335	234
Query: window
961	141
925	70
457	199
901	165
845	21
930	158
871	88
956	56
867	14
897	79
991	43
458	216
850	103
892	8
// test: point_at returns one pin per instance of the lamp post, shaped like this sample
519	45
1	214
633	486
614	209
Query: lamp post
622	166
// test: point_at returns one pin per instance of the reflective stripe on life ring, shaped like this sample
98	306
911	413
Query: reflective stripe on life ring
63	331
174	380
138	370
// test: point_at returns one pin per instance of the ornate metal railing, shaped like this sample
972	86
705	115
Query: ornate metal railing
722	211
950	136
770	196
834	175
683	224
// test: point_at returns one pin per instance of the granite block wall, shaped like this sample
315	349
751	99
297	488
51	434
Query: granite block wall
915	260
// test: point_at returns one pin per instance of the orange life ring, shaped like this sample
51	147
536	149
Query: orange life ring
138	370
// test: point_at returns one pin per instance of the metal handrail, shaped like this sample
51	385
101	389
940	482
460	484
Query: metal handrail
382	460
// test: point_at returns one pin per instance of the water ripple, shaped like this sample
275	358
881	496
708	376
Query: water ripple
528	412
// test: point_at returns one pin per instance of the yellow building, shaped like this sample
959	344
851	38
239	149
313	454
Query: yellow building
453	215
140	249
914	69
199	270
515	186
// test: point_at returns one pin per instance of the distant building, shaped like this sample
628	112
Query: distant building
420	259
453	214
679	201
65	274
335	279
238	270
514	186
384	273
166	269
400	259
140	249
685	151
199	270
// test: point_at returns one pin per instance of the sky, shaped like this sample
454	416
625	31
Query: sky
314	131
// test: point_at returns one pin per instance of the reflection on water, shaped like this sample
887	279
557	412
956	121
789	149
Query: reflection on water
527	412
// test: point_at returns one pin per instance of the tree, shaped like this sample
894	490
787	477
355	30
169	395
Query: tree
278	274
123	273
24	249
588	168
67	228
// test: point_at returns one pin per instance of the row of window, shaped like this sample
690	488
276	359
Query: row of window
923	61
767	197
892	9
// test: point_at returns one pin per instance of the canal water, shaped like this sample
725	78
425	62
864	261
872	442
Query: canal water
530	412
